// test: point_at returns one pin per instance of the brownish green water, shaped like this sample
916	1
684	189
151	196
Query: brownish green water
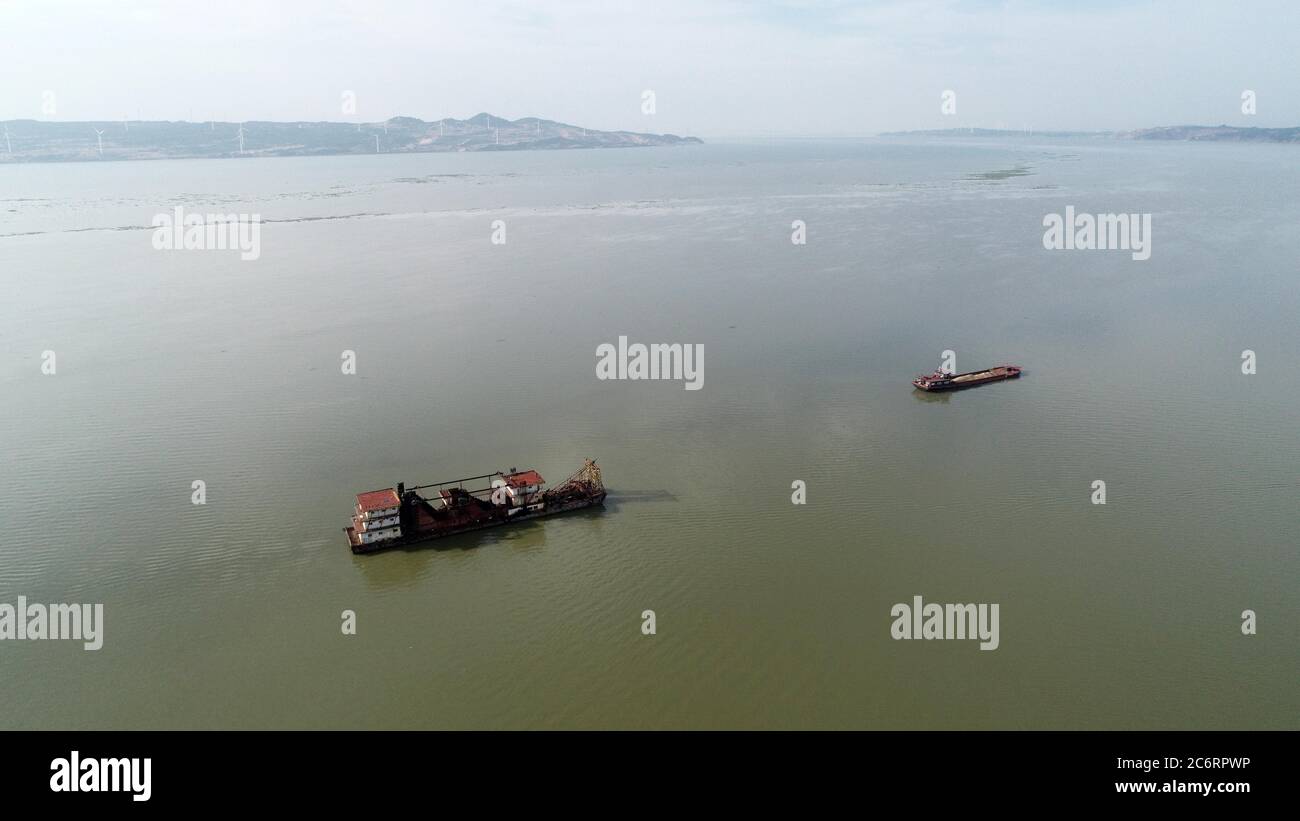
474	357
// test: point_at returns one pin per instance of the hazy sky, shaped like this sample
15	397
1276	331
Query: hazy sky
716	67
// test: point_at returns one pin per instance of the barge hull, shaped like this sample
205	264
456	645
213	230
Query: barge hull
941	382
428	536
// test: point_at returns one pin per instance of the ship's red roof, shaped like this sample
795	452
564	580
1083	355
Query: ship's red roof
527	477
378	500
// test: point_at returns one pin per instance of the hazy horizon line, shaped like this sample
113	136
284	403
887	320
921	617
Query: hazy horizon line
748	134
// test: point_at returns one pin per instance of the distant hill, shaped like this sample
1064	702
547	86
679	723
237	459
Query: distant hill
35	141
1215	133
1197	133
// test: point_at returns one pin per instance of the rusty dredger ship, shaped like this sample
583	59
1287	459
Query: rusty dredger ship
393	517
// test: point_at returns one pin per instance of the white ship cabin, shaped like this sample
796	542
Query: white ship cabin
524	488
378	516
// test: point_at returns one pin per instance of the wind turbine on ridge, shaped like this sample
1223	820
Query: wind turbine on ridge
99	135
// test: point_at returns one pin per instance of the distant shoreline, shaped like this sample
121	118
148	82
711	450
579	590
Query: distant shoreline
34	141
1181	133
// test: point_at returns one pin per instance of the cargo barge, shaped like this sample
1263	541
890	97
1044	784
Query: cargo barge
940	381
395	517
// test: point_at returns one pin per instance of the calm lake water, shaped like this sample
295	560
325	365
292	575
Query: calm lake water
474	357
